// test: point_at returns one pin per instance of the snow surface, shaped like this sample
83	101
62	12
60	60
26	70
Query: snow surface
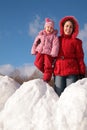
7	87
34	105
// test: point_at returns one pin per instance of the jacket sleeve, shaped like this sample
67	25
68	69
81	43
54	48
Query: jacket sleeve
55	47
80	57
35	44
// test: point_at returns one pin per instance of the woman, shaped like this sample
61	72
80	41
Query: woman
70	61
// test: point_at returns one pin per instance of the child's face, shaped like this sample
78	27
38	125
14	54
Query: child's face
68	28
49	29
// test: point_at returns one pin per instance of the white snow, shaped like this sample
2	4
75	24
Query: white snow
7	88
34	105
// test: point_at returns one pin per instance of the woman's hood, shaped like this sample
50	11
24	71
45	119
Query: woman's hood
76	29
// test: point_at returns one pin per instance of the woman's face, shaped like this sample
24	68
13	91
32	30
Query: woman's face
68	28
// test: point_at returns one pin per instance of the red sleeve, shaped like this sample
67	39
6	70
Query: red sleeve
80	56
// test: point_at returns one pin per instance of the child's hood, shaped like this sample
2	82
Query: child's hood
76	29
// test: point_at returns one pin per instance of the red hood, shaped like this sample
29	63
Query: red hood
76	30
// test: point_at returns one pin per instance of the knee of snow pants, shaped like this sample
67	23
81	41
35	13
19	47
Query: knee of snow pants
39	62
48	70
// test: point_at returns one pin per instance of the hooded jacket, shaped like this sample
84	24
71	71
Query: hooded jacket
70	58
46	44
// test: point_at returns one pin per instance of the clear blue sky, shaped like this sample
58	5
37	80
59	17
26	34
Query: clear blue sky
20	21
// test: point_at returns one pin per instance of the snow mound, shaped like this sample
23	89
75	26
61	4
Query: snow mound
36	106
71	112
30	107
7	87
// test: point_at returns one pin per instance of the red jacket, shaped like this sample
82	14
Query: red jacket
70	59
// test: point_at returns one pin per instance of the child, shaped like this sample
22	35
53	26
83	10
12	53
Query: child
70	61
45	47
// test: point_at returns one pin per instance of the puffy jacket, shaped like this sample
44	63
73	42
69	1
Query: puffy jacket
46	44
70	59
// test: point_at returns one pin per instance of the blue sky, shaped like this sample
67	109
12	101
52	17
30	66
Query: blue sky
21	20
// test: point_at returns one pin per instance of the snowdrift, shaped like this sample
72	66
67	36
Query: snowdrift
35	106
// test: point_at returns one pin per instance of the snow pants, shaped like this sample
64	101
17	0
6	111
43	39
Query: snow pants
44	63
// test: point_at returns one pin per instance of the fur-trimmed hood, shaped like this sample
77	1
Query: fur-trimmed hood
76	26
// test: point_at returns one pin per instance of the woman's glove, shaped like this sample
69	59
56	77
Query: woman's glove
81	76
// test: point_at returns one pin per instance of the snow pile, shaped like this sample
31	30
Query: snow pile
71	112
7	87
35	106
30	107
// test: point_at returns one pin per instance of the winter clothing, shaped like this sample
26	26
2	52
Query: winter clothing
45	47
44	63
49	22
70	60
48	44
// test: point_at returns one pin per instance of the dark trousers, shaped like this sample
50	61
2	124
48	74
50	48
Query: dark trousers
61	82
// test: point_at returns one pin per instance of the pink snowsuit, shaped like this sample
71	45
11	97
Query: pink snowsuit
45	47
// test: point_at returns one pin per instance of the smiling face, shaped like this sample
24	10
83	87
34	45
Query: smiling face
68	27
49	29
